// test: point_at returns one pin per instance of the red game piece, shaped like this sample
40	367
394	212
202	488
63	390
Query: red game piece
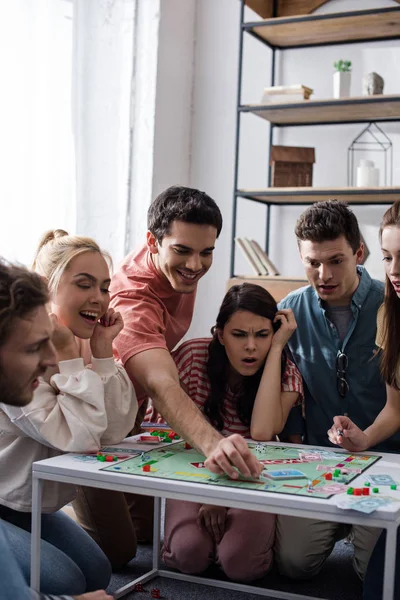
171	435
155	593
357	492
328	476
150	439
138	587
187	446
109	458
146	468
365	491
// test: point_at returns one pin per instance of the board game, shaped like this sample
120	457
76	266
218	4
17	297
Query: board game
287	469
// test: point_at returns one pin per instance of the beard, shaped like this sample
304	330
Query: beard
12	393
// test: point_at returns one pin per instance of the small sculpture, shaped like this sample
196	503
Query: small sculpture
373	84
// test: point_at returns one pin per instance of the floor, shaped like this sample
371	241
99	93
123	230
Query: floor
337	581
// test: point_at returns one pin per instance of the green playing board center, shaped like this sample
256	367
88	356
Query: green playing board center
283	463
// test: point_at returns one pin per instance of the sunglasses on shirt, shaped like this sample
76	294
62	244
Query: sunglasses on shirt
342	363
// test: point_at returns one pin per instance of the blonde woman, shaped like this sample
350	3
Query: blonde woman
85	401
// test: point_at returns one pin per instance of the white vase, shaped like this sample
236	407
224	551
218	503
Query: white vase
341	84
367	174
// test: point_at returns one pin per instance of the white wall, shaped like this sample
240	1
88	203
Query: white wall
213	134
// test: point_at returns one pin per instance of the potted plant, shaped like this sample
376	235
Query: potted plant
342	79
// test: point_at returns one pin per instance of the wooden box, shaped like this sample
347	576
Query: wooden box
291	166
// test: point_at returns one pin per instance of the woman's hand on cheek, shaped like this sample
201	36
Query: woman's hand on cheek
287	327
105	332
63	340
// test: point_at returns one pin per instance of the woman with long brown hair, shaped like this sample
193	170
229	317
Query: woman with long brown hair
243	382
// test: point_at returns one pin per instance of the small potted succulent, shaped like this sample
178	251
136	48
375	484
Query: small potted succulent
342	79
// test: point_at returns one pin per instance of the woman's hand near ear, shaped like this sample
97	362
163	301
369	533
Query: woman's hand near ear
63	340
287	327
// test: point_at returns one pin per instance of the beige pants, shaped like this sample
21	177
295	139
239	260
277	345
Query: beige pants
303	545
116	521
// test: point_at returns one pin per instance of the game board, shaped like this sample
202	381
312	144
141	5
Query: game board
312	466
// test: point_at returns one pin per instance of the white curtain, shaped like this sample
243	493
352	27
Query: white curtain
103	72
36	146
77	121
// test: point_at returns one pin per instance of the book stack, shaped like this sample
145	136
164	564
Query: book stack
256	257
282	94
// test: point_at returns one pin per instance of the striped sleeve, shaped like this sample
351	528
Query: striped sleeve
292	381
183	358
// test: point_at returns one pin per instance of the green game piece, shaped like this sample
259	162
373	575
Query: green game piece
367	484
350	491
393	486
115	457
101	458
167	440
337	473
154	433
176	437
375	490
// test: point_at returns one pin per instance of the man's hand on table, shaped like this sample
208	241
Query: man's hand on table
231	452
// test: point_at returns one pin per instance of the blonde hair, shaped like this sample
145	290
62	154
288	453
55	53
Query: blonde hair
55	252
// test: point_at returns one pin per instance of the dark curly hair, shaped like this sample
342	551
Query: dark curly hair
257	300
178	203
328	220
21	291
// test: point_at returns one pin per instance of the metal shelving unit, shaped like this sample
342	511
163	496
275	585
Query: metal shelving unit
284	33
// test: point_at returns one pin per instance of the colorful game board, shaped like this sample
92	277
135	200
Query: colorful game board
287	470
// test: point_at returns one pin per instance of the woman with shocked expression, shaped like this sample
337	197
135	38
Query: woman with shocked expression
81	403
243	382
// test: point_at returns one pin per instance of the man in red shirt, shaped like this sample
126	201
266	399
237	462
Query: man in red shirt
155	289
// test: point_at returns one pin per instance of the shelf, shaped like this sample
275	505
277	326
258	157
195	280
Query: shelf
324	29
307	195
324	112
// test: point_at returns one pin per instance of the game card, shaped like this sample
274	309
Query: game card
382	479
287	474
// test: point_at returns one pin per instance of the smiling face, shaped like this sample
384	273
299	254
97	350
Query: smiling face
331	269
184	255
82	296
247	339
390	243
25	356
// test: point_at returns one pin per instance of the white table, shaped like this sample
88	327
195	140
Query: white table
68	469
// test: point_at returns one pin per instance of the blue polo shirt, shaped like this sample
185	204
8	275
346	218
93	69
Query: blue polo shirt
314	347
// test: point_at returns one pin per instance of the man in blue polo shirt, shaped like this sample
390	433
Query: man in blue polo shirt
334	349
